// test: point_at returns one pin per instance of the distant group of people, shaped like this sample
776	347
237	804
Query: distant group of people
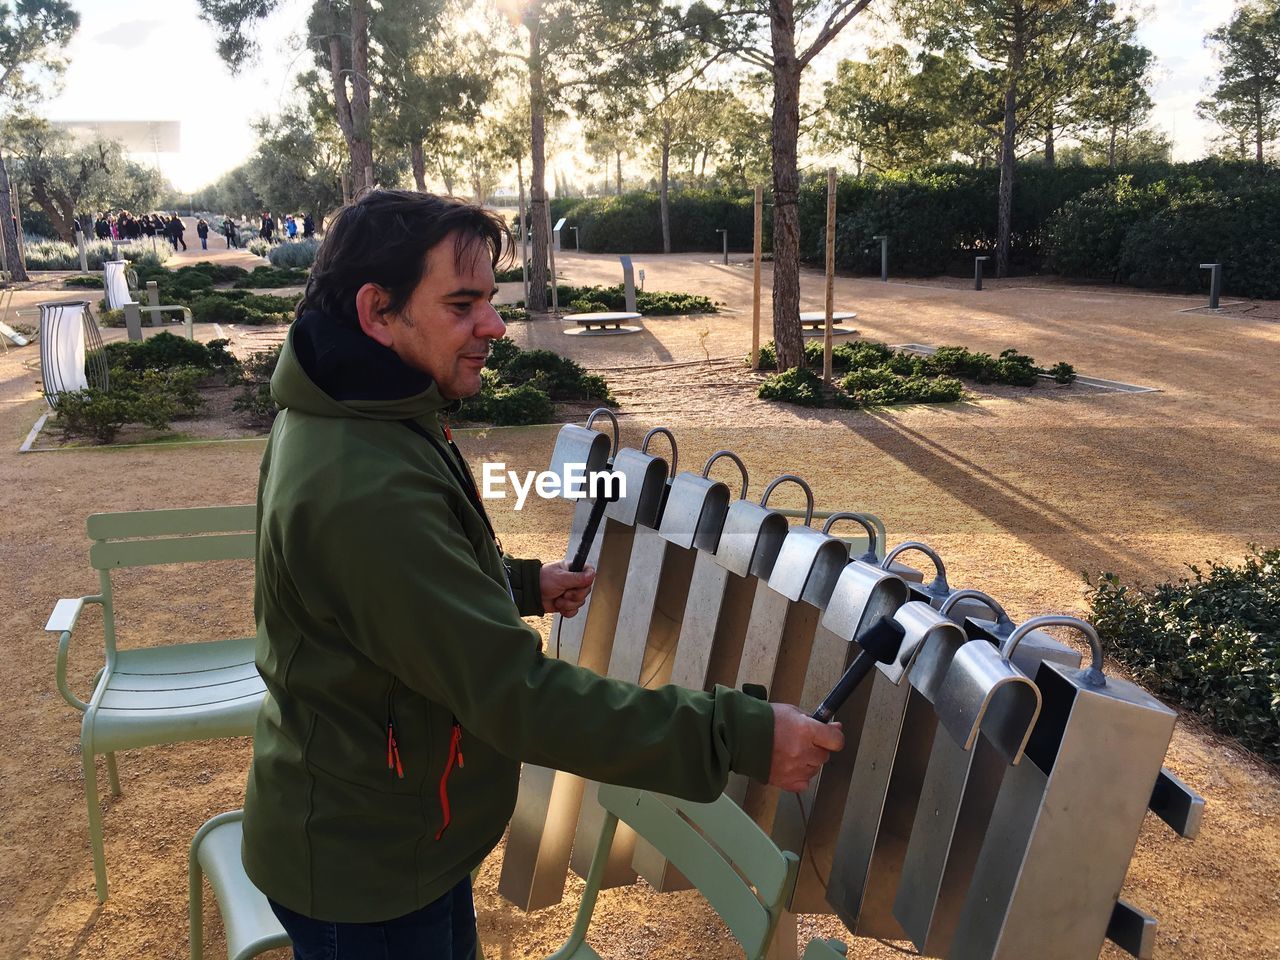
126	226
288	228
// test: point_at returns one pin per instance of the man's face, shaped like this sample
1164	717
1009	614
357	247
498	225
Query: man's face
445	328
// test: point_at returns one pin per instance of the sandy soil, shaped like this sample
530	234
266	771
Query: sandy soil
1021	494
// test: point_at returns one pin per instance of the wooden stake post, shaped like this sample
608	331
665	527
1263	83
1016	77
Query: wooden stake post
551	252
755	294
831	275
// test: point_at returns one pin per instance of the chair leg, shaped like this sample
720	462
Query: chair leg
112	777
95	824
195	906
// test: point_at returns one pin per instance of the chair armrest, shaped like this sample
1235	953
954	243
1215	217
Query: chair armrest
63	620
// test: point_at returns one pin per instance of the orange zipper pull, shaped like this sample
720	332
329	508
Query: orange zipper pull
393	753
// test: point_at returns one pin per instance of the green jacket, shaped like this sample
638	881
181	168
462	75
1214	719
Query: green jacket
392	650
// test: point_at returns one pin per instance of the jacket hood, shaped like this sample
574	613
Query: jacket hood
329	370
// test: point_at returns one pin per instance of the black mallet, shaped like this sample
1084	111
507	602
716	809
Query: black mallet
879	644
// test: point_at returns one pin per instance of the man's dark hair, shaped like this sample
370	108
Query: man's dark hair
383	238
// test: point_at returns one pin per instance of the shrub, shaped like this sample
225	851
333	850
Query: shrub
43	254
799	385
588	306
879	386
256	404
217	272
293	253
259	247
111	318
1210	643
508	406
651	303
88	283
92	413
510	314
631	223
1063	373
165	351
240	306
265	278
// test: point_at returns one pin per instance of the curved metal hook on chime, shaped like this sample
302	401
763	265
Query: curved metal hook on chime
1094	676
1001	628
870	555
696	508
730	455
984	693
671	439
809	562
935	591
582	446
753	534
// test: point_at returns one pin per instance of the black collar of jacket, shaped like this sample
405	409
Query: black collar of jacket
348	365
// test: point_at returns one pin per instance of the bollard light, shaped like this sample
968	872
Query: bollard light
884	256
577	244
725	234
1215	283
977	271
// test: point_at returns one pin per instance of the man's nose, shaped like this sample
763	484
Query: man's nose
491	325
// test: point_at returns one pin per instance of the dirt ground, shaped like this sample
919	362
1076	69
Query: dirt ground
1020	493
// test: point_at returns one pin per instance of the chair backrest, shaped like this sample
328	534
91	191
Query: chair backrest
722	852
144	538
149	537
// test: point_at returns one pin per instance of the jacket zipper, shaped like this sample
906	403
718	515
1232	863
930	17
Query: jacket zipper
393	747
455	757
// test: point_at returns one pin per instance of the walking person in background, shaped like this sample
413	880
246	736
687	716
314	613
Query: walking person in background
102	228
228	230
308	227
202	231
176	230
290	226
268	226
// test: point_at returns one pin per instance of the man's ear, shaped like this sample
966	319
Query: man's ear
371	300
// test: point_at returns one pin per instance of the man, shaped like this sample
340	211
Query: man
389	621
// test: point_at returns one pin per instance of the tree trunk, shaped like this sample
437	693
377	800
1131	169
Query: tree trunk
59	209
619	156
664	211
418	158
353	111
1008	161
1111	147
446	174
786	187
538	185
1050	147
1261	115
13	257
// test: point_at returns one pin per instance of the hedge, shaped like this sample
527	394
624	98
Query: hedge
1210	643
632	223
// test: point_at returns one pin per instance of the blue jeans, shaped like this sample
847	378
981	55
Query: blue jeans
443	930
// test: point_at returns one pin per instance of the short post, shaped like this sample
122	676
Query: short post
577	244
641	272
551	252
757	246
1215	283
133	320
17	222
629	283
555	231
84	252
977	271
524	246
831	276
724	235
115	249
884	256
153	300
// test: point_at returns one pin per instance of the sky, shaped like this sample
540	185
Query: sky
156	60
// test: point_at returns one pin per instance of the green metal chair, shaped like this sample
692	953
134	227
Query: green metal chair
743	875
250	925
158	695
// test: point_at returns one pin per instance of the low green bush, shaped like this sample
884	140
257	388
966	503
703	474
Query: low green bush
516	406
298	254
879	387
510	314
798	385
632	223
588	306
1210	643
165	351
240	306
45	254
267	278
88	283
217	272
256	404
651	303
1063	373
154	396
